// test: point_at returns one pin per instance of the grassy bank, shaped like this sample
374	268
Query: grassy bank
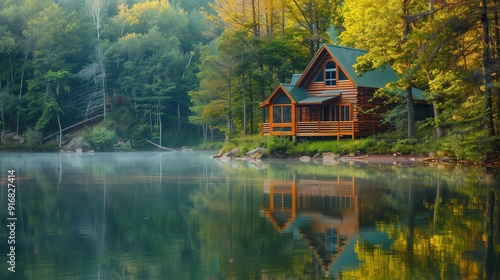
29	148
390	143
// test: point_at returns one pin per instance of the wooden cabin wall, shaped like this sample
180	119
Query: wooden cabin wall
309	114
342	86
370	123
423	110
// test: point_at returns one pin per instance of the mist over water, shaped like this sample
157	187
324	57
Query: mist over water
184	215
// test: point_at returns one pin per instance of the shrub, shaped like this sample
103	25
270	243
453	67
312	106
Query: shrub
33	137
128	126
174	138
250	142
301	148
473	146
377	146
314	147
100	138
210	145
405	146
354	146
278	144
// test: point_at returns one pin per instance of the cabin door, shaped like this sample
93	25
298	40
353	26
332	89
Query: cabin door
337	112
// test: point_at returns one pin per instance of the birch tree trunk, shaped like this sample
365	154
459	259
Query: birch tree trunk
60	129
487	77
21	92
410	102
98	10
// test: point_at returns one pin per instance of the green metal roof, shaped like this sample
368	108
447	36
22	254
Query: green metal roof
297	93
378	78
295	78
317	100
347	57
418	94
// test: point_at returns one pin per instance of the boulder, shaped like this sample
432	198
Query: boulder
330	158
75	144
232	153
10	135
7	138
256	153
305	158
123	145
220	153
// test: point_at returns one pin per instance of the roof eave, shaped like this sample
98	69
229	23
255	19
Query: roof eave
281	86
311	63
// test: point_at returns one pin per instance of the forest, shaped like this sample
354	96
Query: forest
184	72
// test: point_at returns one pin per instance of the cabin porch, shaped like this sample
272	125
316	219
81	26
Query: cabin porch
311	128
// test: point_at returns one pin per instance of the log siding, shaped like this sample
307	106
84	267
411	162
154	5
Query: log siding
319	112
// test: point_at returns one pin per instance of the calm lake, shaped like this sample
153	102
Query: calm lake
183	215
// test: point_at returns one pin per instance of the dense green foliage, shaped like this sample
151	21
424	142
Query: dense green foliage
100	138
457	146
190	72
62	61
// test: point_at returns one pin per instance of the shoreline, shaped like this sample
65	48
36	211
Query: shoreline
375	159
381	159
386	159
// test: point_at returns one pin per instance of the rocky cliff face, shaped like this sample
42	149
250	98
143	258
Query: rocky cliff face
75	144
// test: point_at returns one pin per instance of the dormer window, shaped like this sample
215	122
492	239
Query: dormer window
331	74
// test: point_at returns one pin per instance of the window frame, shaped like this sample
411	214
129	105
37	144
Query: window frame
341	112
330	74
325	76
284	116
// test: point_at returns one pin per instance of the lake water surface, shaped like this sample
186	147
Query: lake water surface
183	215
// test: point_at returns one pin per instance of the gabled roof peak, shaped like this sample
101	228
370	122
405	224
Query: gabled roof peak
295	78
343	47
346	58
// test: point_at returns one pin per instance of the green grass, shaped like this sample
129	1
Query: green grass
388	143
29	148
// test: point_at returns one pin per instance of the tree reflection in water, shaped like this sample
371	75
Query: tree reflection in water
186	216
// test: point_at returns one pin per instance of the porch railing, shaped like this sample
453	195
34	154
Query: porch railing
319	128
327	128
266	128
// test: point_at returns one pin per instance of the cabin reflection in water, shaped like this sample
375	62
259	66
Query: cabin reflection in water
323	212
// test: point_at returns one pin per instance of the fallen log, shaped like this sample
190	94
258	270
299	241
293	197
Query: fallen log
156	145
72	126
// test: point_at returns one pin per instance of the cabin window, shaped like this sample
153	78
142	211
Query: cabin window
340	113
331	74
332	240
282	129
282	114
282	98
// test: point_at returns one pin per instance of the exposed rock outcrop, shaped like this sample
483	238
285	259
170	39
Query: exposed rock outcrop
76	144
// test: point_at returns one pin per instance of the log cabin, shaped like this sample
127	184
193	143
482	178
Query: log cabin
330	99
324	213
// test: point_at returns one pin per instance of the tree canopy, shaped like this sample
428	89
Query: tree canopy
200	66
